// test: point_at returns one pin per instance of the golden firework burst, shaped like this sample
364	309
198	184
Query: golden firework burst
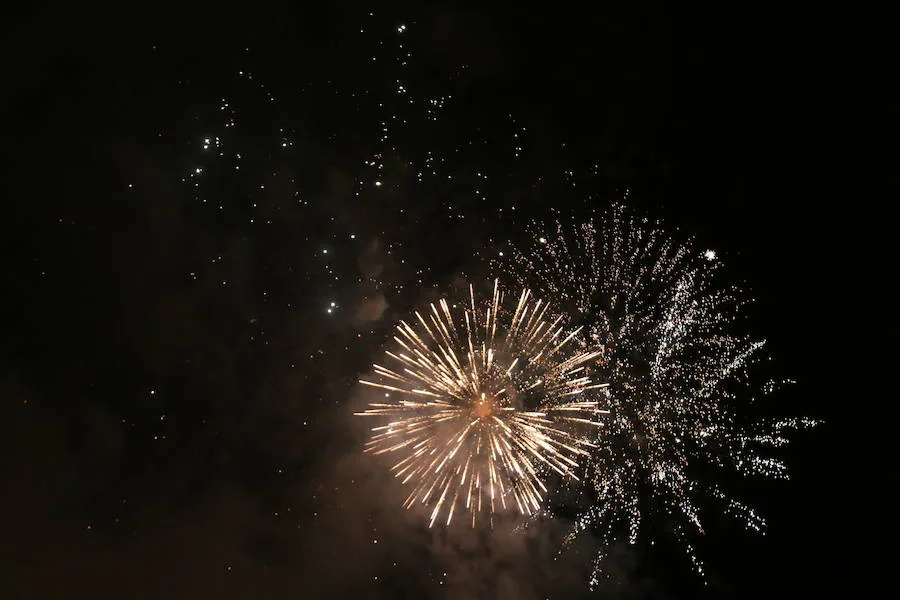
484	400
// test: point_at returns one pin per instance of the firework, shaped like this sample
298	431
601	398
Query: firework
676	371
485	400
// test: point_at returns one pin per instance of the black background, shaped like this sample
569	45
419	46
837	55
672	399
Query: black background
711	116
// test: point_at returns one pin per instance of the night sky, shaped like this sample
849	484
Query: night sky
212	218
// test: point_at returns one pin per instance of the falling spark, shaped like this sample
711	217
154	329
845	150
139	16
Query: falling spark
490	402
675	368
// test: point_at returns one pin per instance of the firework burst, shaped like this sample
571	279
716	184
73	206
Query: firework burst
484	401
676	372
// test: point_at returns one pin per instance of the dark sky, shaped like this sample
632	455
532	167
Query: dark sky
176	383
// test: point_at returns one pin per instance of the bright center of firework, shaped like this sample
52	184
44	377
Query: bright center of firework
484	407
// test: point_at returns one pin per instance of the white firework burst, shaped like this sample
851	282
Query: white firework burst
676	369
